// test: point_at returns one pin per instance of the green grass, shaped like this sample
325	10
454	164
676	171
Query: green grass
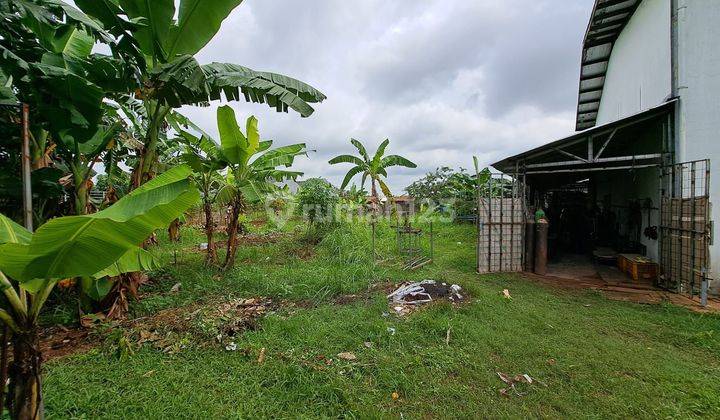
611	359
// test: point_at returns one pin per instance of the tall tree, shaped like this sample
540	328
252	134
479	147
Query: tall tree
173	77
375	168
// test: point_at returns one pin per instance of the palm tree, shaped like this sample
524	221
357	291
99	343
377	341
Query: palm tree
374	168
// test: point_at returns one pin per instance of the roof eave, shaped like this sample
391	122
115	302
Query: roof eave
607	21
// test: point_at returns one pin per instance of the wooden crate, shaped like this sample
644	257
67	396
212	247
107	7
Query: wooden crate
637	269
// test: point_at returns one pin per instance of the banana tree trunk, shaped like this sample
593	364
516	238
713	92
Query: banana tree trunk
174	231
25	390
237	207
80	188
147	165
375	207
211	256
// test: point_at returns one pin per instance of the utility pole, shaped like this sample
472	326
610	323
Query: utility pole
27	187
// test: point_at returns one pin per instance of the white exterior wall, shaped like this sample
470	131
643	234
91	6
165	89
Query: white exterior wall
639	75
699	91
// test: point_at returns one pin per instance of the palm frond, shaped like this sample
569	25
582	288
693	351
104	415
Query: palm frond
351	173
361	149
347	159
395	160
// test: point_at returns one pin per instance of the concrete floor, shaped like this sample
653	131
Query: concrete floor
581	272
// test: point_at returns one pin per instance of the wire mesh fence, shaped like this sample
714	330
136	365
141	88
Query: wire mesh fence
501	225
685	227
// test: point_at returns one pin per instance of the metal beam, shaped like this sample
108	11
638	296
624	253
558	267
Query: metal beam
602	160
568	154
607	168
602	149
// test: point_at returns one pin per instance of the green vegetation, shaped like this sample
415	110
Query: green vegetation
91	247
317	199
594	357
300	326
375	168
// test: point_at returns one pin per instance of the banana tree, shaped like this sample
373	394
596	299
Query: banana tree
375	168
173	76
204	156
252	169
96	245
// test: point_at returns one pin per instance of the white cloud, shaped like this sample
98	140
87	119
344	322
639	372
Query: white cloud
444	80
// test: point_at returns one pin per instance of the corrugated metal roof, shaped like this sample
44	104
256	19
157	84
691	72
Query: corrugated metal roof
607	21
508	165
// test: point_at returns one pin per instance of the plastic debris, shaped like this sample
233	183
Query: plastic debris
425	291
176	288
512	381
506	293
347	356
391	330
232	346
261	357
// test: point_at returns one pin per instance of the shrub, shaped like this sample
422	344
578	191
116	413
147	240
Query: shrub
317	199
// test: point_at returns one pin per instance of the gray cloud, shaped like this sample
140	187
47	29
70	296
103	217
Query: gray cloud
444	80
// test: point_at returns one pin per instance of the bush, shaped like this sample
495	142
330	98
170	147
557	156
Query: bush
317	199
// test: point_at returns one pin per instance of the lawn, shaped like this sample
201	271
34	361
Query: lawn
591	357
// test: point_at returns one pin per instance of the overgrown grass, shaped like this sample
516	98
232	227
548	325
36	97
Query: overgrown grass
594	357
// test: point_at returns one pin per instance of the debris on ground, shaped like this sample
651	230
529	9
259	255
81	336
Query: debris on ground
395	395
261	357
506	293
410	295
346	355
414	263
513	381
368	344
176	288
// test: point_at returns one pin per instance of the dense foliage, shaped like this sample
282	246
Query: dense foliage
449	188
317	199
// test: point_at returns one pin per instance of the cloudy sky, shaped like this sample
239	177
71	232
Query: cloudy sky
443	79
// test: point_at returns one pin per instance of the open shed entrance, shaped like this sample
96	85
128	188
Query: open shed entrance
619	208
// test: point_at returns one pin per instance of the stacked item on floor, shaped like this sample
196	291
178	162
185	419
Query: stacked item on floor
638	267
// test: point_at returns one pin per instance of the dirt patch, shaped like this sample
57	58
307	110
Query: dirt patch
212	323
642	293
59	341
305	252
